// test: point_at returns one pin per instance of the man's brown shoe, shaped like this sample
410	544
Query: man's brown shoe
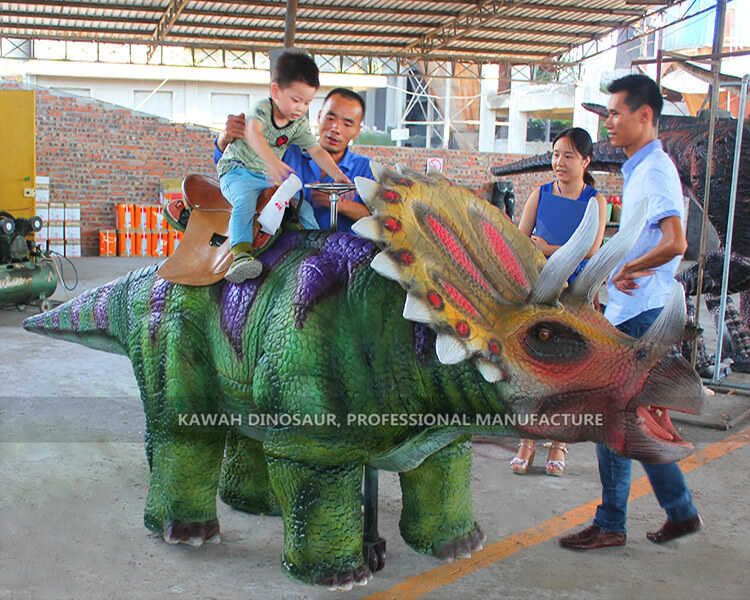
670	531
593	537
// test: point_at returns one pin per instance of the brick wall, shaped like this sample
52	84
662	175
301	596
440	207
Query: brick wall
472	169
100	154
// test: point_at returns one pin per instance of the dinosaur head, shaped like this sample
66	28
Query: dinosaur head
493	298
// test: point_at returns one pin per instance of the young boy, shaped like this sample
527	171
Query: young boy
248	164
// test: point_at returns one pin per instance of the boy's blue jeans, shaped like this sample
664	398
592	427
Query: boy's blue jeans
242	188
666	480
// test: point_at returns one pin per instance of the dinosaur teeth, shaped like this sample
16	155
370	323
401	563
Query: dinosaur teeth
366	188
384	265
416	309
489	370
450	350
368	227
377	169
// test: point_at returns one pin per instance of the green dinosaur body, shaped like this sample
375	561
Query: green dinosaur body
321	335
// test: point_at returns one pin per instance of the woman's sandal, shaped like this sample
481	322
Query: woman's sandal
556	467
523	460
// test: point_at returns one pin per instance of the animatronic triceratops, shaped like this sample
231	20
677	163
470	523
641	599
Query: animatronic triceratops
322	335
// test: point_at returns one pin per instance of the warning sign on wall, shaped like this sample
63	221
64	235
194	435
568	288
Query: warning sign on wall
434	164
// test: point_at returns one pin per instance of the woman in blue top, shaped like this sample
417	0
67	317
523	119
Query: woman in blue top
550	216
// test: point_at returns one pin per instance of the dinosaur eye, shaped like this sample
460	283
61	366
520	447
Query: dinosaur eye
554	343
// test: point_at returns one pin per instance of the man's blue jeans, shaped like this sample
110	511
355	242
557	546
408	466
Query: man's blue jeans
614	470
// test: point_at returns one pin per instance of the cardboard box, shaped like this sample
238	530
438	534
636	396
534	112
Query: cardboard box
56	230
72	231
57	211
72	212
42	190
73	248
57	246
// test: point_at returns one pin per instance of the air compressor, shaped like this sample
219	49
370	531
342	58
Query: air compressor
27	275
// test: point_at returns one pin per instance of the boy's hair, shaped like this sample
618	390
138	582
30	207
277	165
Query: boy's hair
294	66
640	90
346	93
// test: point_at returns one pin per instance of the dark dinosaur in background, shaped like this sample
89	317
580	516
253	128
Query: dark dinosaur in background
685	139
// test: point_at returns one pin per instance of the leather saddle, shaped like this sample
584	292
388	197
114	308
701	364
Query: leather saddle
203	256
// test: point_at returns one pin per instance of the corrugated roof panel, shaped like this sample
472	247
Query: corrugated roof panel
376	26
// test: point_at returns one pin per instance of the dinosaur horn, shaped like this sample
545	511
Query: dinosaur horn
564	261
601	265
669	327
378	169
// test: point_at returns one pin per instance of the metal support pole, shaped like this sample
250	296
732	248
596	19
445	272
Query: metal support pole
730	227
290	24
721	11
447	113
333	198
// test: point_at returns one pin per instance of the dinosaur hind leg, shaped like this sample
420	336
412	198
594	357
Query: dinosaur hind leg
437	516
244	482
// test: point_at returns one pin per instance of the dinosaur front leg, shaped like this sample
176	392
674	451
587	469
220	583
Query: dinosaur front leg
181	504
321	507
437	516
244	482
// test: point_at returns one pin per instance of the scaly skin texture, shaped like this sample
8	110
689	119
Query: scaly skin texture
322	334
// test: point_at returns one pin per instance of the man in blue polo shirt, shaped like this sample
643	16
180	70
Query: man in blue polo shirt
638	291
340	121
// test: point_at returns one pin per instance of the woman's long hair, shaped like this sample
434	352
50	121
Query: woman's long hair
581	141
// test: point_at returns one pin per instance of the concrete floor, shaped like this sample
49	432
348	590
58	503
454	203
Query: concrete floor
73	482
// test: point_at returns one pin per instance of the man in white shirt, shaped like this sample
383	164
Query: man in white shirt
637	292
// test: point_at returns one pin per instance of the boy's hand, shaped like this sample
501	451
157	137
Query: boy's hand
279	171
342	179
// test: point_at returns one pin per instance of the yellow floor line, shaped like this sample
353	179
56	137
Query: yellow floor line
419	585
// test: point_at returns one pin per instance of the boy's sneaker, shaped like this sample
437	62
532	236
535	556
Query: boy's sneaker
243	267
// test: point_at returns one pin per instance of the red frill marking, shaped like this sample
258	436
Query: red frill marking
462	329
505	254
436	300
391	196
392	225
403	181
406	257
494	347
457	252
460	299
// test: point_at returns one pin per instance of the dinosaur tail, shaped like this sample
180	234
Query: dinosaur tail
98	318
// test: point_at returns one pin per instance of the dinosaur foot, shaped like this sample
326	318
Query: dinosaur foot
193	534
345	580
374	552
463	546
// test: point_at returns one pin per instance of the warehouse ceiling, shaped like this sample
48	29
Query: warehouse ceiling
465	31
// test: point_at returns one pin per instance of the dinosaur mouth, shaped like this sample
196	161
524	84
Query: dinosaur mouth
649	432
640	428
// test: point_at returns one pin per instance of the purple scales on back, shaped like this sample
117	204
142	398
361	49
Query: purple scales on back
332	266
237	298
158	304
